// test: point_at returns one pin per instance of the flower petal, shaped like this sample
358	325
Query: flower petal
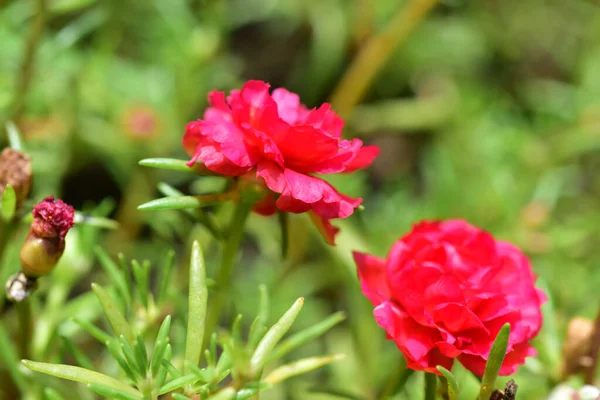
372	274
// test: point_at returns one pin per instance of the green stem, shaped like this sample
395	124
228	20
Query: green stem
223	278
25	327
26	70
430	386
375	53
397	381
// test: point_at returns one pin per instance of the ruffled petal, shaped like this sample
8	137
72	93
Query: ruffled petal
365	157
372	274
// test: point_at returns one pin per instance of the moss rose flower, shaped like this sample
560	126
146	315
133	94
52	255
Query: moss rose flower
281	142
444	292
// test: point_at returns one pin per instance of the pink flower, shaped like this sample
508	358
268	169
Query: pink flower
281	142
45	243
444	292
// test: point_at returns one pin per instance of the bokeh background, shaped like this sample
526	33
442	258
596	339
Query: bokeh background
488	111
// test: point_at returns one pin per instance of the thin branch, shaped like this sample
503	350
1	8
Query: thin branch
374	54
27	66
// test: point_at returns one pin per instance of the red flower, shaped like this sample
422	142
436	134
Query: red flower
445	291
52	218
282	142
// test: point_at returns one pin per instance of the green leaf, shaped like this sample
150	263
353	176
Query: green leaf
14	137
178	203
178	383
141	274
160	345
51	394
225	394
115	318
306	335
141	356
273	336
301	367
251	390
98	222
79	356
173	165
225	362
164	276
129	354
98	333
197	300
179	396
9	203
494	362
10	359
111	392
174	372
166	163
115	350
116	274
451	381
81	375
206	219
161	376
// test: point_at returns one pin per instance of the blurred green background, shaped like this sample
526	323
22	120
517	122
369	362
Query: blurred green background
489	111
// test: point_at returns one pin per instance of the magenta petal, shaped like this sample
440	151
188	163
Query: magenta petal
364	158
373	277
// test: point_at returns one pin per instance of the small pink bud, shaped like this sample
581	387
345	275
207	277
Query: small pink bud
45	242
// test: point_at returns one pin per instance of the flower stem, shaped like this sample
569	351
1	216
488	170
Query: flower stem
223	278
25	326
26	70
430	386
374	54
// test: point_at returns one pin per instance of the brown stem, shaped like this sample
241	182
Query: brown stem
26	71
364	20
373	55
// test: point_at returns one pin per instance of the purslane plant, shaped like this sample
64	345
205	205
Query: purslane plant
228	368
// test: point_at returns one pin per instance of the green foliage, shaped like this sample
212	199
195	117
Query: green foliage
489	112
153	374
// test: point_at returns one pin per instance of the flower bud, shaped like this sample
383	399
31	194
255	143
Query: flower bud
45	242
15	170
577	346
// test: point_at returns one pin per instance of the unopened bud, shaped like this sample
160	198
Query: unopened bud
577	346
15	170
45	242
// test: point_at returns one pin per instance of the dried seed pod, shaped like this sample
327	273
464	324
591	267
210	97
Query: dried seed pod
19	287
576	346
15	170
45	242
